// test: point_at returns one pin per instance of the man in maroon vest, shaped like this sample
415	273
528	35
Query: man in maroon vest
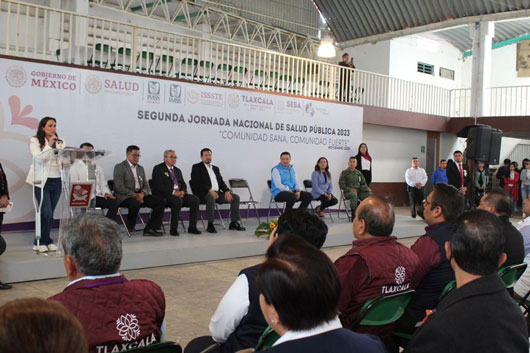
376	264
117	314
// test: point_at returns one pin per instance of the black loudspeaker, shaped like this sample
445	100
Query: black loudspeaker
495	146
478	143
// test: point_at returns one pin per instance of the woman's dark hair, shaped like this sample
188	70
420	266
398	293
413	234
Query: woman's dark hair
40	326
41	136
477	242
317	168
304	224
359	149
300	282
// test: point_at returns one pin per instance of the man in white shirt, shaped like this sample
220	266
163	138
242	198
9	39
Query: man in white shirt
104	199
416	179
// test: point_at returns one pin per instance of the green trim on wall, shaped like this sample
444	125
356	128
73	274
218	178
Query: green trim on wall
502	44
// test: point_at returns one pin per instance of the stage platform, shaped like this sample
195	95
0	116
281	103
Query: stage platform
20	264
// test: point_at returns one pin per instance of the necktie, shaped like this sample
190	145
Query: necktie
480	180
174	177
461	174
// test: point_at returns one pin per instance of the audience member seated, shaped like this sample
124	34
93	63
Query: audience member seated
442	207
353	185
117	313
498	203
4	202
39	326
522	287
299	296
376	264
479	315
132	191
238	322
208	185
81	170
322	187
169	184
285	186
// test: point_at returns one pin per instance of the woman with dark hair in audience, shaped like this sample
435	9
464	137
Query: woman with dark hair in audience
46	170
364	162
39	326
299	297
322	187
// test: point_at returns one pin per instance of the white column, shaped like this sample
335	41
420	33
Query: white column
482	34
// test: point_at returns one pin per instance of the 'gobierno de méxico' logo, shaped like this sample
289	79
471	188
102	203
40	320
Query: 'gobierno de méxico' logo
16	76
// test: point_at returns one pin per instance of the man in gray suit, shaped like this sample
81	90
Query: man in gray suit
132	191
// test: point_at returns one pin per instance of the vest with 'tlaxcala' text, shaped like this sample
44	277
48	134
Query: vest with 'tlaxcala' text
117	314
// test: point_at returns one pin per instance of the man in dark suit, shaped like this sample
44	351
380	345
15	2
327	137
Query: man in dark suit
208	184
132	191
458	173
498	203
169	184
4	202
479	315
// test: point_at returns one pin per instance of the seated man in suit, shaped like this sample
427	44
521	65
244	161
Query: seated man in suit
478	315
169	185
104	198
132	191
116	313
285	186
208	184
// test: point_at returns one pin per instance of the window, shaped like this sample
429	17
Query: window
425	68
447	73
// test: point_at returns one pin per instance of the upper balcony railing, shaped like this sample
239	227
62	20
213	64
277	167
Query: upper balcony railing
38	32
503	101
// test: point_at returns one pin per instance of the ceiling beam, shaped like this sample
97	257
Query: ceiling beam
436	26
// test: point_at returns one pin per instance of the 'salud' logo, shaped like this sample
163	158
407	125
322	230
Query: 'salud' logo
128	327
400	274
93	84
153	87
309	109
233	100
192	95
16	76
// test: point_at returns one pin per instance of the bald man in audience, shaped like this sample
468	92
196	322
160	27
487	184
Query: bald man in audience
499	203
479	315
362	271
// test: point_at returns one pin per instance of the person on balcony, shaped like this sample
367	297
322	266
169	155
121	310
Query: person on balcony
344	92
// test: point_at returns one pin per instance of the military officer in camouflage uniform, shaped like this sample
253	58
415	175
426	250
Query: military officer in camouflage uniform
353	185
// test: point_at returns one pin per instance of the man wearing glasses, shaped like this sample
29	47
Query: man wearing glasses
169	184
132	191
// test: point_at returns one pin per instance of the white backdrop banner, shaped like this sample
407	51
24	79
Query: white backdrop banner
246	130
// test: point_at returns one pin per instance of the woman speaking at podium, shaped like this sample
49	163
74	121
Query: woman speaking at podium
44	172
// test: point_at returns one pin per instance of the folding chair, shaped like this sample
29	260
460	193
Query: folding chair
448	288
216	208
243	184
162	347
308	185
347	208
150	181
269	182
510	274
101	51
383	310
110	183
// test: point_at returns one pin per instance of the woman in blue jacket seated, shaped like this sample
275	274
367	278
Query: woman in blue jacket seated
322	187
299	297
